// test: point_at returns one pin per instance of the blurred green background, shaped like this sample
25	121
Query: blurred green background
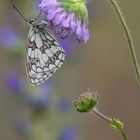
103	65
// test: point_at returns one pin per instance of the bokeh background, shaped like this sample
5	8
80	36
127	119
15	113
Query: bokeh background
103	64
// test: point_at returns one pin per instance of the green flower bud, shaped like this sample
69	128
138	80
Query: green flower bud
86	101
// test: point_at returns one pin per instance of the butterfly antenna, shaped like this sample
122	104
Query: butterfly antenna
18	11
38	15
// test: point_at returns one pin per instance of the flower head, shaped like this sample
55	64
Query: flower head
86	101
67	17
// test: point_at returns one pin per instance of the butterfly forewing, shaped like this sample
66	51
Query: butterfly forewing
44	54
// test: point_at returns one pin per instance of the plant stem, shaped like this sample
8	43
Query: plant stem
123	134
107	119
129	38
102	116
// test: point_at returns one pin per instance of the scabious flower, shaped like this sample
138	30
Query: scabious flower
86	101
67	17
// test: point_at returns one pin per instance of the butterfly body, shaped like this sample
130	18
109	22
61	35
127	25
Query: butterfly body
44	53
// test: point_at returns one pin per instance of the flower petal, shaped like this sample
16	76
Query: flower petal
59	17
52	12
67	21
79	29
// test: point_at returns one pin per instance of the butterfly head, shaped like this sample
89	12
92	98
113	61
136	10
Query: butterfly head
31	21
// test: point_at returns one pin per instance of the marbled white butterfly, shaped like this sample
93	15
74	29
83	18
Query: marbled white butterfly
44	53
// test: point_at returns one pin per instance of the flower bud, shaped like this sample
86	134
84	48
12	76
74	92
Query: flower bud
86	101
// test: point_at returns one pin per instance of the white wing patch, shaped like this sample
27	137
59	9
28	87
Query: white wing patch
44	55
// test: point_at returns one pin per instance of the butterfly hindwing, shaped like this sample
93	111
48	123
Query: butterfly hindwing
44	54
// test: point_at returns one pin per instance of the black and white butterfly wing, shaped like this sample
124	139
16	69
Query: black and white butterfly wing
44	54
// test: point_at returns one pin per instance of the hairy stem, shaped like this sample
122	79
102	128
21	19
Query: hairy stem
129	38
102	116
110	121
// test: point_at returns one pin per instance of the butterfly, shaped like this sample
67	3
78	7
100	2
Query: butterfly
44	54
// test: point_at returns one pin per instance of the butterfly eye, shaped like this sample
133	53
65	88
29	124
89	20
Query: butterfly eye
31	21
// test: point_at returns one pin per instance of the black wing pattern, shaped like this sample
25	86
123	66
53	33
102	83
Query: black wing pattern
44	54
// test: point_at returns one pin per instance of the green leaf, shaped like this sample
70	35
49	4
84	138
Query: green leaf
116	124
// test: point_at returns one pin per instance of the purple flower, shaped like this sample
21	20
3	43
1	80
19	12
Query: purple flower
8	37
69	17
68	133
14	82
